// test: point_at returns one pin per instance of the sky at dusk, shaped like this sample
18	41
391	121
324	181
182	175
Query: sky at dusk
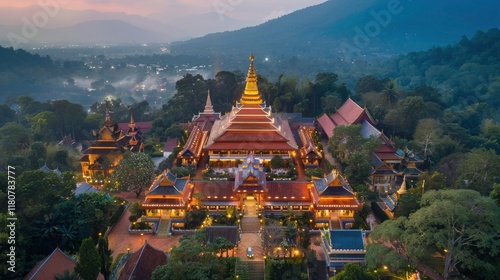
255	10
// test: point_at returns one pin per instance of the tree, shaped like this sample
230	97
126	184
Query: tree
427	181
273	236
448	166
460	223
358	168
6	114
134	172
39	191
37	155
495	193
407	204
353	151
18	140
389	93
174	131
69	116
389	234
43	125
68	236
353	271
479	171
369	83
135	211
105	256
195	259
330	103
426	135
88	260
277	162
404	118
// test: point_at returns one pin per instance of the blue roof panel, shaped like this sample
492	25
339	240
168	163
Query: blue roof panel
347	240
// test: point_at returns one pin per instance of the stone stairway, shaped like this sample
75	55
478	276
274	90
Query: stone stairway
335	224
250	224
255	269
163	228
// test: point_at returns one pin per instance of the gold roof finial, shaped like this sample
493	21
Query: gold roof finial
251	95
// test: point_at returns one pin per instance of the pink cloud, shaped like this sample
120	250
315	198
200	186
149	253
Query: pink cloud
243	9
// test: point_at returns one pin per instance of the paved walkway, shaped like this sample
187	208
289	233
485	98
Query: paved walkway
120	240
329	157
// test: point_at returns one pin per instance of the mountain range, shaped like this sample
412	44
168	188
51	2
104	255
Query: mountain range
355	28
64	26
338	29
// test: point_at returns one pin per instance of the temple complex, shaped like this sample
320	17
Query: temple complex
107	150
235	151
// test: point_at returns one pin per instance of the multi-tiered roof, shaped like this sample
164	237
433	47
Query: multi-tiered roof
251	125
168	192
333	192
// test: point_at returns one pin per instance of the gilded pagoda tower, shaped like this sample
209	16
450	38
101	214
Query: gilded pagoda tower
249	128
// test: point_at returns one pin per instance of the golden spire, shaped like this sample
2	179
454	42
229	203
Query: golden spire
251	95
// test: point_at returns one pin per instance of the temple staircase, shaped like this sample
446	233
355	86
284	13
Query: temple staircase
250	221
256	269
250	225
163	228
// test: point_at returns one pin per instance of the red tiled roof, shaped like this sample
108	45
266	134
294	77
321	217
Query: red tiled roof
327	124
386	149
194	143
293	191
348	113
247	124
170	144
216	190
56	263
144	127
142	263
386	156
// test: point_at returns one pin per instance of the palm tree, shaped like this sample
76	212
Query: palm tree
389	93
68	236
49	227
